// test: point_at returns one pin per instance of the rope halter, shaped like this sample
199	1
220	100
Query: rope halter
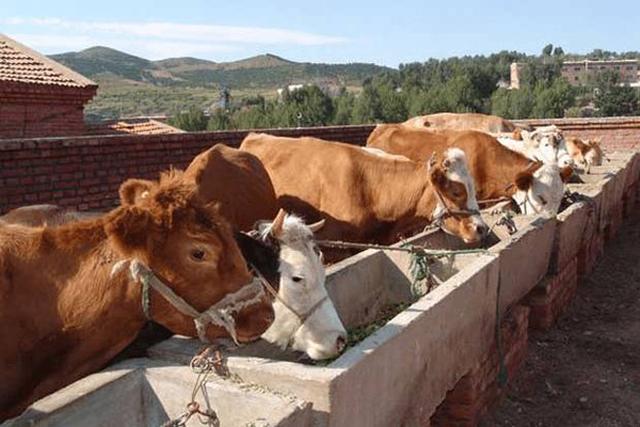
219	314
447	212
302	317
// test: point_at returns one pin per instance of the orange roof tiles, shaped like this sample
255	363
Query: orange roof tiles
20	64
138	126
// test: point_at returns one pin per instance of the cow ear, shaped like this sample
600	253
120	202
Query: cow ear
524	180
438	178
133	190
566	173
517	134
129	228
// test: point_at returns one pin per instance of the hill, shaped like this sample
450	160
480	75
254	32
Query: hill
124	78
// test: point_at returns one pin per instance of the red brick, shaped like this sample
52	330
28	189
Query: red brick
477	391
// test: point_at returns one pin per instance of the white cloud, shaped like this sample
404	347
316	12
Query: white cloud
150	49
182	32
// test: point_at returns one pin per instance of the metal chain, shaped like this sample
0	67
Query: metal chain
203	365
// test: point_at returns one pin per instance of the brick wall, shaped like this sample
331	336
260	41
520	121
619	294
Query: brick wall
21	120
40	110
616	133
85	172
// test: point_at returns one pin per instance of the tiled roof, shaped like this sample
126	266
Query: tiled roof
139	126
20	64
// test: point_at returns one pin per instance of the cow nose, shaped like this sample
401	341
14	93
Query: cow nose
341	343
482	229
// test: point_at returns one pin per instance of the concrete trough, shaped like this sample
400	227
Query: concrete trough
144	392
410	358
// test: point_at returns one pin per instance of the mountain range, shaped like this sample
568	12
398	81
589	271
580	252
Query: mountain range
131	85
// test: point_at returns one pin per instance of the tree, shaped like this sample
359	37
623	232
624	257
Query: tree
513	104
613	99
367	108
552	101
219	120
546	51
558	51
343	108
307	106
192	120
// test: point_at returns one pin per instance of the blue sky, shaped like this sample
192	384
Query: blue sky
385	33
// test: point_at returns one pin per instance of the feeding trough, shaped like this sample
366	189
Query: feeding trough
143	392
409	359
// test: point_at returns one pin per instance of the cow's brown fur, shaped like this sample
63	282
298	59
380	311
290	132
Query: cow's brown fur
62	315
362	197
579	151
495	168
238	181
463	121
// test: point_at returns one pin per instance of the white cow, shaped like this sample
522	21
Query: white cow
305	317
545	144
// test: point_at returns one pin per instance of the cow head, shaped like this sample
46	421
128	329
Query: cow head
189	247
539	188
547	144
594	155
456	203
305	316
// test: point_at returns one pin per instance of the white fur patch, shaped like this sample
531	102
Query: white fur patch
459	171
300	260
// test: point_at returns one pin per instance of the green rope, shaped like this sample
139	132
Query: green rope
146	300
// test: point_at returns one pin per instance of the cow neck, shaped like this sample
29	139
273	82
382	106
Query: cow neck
85	317
400	188
100	313
496	178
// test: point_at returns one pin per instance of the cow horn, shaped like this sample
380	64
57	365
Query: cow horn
278	223
316	226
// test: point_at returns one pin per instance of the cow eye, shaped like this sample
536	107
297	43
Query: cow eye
297	279
197	254
542	200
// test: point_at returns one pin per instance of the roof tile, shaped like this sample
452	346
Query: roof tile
20	64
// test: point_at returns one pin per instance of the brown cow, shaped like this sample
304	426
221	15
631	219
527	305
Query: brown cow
37	215
366	197
498	172
65	310
585	152
463	121
237	181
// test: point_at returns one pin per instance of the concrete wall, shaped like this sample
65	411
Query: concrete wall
142	392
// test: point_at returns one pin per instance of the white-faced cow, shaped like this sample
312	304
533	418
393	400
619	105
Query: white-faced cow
305	317
368	197
498	172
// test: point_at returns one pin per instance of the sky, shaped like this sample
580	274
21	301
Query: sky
385	33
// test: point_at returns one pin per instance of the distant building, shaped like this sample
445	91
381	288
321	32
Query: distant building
38	96
289	88
578	72
516	70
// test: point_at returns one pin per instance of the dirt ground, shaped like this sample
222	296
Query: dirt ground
585	371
